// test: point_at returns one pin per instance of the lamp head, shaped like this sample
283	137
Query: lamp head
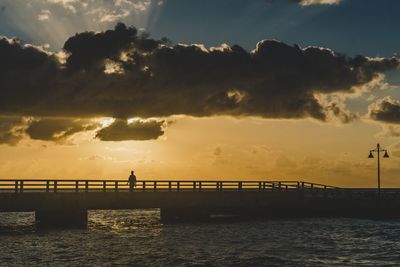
370	155
386	155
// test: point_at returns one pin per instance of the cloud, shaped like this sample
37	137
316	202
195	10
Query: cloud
319	2
11	130
121	130
69	5
97	157
390	131
217	151
56	129
385	110
114	17
122	74
60	130
44	15
89	50
335	108
72	17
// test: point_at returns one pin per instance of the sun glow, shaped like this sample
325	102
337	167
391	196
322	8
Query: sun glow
55	21
104	122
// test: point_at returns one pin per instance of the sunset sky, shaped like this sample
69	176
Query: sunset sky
181	89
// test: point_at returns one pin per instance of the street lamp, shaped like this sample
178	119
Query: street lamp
371	156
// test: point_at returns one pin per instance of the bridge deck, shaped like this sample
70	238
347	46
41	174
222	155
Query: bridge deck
63	200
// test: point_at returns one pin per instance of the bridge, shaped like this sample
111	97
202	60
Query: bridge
65	203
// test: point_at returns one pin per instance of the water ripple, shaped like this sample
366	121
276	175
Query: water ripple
139	238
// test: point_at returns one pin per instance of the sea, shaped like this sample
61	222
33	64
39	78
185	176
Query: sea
138	238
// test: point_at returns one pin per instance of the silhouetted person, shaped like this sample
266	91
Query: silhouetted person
132	180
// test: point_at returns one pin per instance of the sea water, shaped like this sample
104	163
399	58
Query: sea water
138	238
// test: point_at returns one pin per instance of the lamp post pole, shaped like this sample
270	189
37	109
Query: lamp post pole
379	169
378	149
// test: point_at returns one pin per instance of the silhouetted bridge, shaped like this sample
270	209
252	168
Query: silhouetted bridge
66	202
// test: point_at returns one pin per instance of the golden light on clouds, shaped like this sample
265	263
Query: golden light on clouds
101	98
213	148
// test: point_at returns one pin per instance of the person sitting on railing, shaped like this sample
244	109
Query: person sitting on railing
132	181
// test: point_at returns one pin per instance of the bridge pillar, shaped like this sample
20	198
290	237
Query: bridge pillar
71	218
184	214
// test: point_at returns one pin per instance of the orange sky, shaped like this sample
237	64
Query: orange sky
216	148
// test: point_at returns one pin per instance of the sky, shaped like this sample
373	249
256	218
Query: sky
182	89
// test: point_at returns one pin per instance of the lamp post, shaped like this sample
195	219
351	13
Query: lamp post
378	149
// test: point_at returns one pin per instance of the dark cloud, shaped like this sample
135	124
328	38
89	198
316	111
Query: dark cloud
16	56
121	130
58	130
385	110
11	130
147	78
26	76
88	50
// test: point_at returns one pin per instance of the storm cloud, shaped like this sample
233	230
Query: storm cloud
58	130
61	130
121	130
122	74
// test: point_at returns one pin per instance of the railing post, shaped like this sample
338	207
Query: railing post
263	186
16	186
116	186
194	186
286	187
169	186
302	186
273	186
279	186
221	186
155	186
178	186
259	186
240	186
55	186
86	186
104	186
21	186
47	186
76	186
144	186
199	186
298	186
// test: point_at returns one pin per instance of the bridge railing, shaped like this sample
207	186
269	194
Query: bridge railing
30	185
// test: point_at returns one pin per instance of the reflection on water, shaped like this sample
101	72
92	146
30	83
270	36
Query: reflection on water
138	238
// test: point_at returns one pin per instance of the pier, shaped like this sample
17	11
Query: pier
65	203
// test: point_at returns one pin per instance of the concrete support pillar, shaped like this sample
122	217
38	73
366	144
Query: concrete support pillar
184	214
71	218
